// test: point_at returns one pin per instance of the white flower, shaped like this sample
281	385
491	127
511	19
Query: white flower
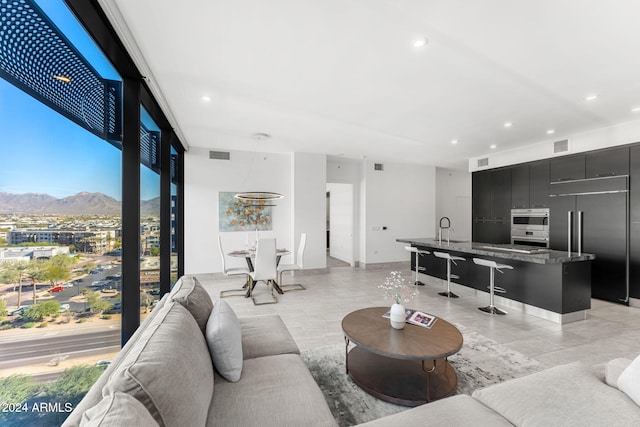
394	287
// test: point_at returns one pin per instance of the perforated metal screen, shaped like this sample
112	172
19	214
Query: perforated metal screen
37	58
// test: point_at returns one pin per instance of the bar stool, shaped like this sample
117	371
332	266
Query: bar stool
418	252
450	259
491	308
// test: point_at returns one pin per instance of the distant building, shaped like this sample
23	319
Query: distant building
96	241
31	252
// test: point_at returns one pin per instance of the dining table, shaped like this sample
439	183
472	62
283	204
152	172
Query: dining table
248	255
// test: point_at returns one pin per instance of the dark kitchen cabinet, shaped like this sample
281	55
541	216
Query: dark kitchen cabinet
520	185
611	162
539	184
501	194
481	195
597	223
567	168
634	232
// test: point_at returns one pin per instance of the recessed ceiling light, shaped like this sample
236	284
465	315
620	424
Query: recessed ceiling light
454	141
635	110
206	98
493	146
508	124
62	78
421	42
551	132
591	97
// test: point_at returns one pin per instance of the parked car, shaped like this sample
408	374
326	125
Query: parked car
64	307
103	362
56	289
154	292
68	285
19	310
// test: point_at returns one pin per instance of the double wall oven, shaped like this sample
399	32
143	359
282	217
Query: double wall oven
530	227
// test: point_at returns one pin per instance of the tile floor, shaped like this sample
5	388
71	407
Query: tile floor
314	316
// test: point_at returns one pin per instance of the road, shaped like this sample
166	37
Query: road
43	350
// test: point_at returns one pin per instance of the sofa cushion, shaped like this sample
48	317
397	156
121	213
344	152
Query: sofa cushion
566	395
169	370
190	293
94	396
224	339
274	391
461	410
613	369
629	381
266	335
117	410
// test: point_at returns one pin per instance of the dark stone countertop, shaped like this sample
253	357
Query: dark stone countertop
538	255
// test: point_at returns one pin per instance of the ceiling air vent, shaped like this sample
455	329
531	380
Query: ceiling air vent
219	155
561	146
378	166
483	162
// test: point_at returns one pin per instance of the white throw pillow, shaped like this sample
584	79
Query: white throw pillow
224	338
629	381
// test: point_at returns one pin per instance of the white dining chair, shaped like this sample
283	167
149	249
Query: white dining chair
235	271
265	269
299	265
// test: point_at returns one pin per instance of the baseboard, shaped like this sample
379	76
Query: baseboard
634	302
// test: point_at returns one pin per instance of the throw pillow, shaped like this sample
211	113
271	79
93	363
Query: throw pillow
613	369
168	366
192	296
118	409
629	381
224	338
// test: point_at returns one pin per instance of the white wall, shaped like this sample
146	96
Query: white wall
309	173
402	199
620	134
341	217
246	171
453	200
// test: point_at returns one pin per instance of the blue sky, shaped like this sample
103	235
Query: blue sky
43	152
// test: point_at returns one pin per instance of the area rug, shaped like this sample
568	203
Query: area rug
480	363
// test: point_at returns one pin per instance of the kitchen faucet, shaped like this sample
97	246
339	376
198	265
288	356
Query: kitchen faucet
441	227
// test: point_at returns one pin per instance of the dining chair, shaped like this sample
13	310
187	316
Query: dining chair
235	271
299	265
264	268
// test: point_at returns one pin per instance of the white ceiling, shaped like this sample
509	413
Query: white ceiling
342	77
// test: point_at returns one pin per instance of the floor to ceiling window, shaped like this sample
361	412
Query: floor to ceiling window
62	233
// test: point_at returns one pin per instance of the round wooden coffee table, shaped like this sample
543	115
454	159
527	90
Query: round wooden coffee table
408	366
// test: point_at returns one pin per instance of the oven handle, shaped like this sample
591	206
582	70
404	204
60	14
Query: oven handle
532	239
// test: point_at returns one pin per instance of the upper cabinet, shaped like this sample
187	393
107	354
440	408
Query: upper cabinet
567	168
607	163
491	195
501	194
539	184
481	195
520	176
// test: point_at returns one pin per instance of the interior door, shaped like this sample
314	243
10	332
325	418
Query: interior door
558	222
604	233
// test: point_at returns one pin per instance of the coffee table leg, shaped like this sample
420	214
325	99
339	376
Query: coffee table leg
429	371
346	353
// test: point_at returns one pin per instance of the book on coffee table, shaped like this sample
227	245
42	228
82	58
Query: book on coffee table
422	319
416	317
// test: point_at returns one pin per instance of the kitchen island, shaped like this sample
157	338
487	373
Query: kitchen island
553	285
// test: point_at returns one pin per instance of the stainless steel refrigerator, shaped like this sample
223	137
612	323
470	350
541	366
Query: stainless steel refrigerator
592	216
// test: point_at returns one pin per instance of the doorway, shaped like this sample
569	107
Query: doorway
340	233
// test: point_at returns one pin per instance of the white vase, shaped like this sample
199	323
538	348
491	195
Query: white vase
397	316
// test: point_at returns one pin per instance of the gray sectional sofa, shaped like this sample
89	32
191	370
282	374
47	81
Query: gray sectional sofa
193	363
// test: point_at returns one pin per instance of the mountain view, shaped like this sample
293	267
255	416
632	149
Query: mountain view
83	203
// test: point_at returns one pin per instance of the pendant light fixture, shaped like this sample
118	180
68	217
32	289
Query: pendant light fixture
258	198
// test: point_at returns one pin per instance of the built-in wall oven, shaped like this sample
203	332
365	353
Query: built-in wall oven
530	227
